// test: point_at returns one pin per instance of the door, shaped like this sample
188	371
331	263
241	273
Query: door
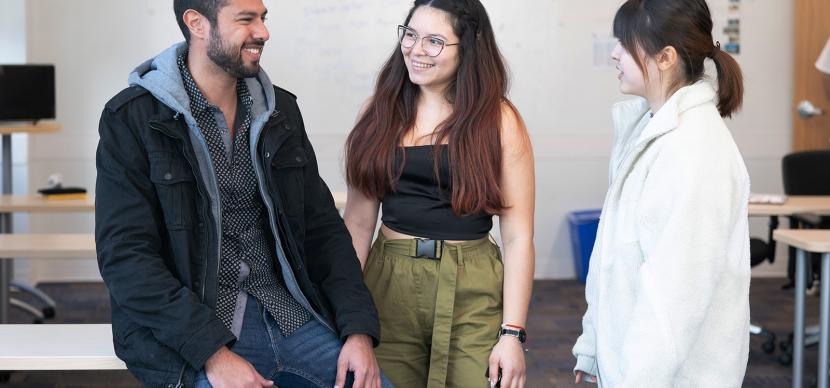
812	29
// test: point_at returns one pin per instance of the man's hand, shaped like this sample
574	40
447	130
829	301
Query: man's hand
510	357
226	369
582	376
358	356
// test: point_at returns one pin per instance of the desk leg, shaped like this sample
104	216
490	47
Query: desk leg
6	265
798	324
824	339
5	292
6	272
7	164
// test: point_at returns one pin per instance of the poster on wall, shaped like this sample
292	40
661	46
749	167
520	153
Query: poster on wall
727	28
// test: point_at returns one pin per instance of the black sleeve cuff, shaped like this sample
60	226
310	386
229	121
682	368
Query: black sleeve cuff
361	324
205	342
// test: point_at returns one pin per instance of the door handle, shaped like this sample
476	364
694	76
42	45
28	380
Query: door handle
806	110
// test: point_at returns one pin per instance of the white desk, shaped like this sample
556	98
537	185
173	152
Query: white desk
7	264
818	241
48	246
57	347
38	204
795	204
10	204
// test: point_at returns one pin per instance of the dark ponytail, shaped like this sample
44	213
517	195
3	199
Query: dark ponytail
649	26
730	82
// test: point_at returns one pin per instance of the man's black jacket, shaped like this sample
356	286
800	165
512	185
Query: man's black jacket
157	241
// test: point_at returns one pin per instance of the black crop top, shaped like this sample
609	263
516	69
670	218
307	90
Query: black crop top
420	208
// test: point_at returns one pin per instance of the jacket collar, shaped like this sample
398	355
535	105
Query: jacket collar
628	114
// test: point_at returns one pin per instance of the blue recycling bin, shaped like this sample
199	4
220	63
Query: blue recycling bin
583	225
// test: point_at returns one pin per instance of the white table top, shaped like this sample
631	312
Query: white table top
57	347
811	240
818	205
39	204
48	246
41	127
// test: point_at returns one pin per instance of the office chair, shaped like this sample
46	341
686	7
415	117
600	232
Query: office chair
759	252
805	173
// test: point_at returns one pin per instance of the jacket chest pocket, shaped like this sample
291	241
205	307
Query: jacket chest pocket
175	187
288	168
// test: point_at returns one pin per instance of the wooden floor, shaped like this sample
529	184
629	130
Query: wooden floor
553	325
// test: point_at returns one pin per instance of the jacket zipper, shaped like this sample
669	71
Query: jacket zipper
274	229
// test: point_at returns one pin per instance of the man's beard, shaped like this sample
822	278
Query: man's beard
229	59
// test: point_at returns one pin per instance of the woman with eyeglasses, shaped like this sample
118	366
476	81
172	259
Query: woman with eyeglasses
442	150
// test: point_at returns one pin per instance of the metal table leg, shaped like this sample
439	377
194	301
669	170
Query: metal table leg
5	294
798	324
6	264
824	335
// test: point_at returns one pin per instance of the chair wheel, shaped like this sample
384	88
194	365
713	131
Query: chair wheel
768	346
785	359
48	312
5	377
787	344
37	321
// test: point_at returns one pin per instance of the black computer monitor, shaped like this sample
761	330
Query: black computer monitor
27	92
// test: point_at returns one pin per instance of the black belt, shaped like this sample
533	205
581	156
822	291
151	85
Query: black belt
429	249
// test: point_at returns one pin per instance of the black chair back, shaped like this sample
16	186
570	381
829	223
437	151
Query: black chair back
806	173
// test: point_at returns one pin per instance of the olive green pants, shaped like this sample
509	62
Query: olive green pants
439	318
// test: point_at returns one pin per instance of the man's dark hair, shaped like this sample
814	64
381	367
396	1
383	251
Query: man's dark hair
208	8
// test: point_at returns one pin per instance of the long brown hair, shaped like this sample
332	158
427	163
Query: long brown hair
686	25
472	131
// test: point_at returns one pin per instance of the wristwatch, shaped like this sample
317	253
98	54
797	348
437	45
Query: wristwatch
513	331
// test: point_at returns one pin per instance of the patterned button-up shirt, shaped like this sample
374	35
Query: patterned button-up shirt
247	257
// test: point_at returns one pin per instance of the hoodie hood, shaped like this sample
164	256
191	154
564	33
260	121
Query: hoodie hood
161	77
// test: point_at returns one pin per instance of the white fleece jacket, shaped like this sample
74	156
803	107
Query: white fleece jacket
668	283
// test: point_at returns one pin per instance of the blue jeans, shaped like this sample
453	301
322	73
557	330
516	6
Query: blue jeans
306	358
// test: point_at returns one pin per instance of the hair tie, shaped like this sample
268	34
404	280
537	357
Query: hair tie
715	49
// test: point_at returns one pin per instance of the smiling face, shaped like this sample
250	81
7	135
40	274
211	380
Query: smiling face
237	39
632	79
432	72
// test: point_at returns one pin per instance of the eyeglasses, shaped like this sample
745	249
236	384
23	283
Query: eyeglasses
432	45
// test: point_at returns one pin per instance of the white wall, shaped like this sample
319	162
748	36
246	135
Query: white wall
328	53
13	51
94	45
12	31
763	129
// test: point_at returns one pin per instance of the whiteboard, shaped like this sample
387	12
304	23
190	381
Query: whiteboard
329	53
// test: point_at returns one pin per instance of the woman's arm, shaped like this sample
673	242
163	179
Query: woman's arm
518	185
361	216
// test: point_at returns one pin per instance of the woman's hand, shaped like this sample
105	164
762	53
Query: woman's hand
509	356
582	376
